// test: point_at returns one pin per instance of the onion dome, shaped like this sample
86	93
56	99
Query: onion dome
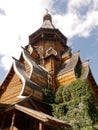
47	21
47	17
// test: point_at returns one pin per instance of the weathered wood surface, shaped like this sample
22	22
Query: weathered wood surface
12	91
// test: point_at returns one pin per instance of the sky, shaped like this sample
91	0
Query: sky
76	19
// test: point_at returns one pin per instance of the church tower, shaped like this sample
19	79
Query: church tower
46	62
50	44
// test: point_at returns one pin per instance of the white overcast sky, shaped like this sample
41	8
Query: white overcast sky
20	18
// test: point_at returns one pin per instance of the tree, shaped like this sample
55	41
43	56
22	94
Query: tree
78	106
48	95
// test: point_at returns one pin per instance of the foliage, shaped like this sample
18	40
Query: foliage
60	109
58	96
48	95
77	106
66	95
78	70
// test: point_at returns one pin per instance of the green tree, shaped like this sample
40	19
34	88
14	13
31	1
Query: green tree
58	95
48	95
77	106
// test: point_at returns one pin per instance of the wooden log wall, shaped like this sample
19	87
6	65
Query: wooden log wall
48	64
27	67
55	45
39	79
35	56
56	66
42	46
12	91
66	78
37	94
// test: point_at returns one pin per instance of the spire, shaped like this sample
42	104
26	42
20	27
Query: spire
47	21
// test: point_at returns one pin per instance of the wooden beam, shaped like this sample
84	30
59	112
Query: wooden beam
41	126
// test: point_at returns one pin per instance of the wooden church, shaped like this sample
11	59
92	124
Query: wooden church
45	61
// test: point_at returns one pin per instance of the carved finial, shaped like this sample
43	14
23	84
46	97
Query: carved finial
47	16
47	11
15	58
87	60
22	47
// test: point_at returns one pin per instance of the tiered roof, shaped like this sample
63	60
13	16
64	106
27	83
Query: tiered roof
27	78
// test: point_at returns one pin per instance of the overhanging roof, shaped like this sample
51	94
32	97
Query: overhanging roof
42	33
69	64
45	118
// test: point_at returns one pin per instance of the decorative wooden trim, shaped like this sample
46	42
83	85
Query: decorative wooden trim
26	58
22	79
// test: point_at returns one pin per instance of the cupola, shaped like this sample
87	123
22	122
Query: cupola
47	17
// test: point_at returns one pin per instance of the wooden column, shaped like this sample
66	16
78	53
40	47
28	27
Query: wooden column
41	126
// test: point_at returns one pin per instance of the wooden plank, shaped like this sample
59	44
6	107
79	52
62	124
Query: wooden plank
41	126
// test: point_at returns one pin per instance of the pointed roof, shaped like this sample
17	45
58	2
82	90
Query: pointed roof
69	64
47	29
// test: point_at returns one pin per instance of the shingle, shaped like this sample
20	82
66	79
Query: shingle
69	64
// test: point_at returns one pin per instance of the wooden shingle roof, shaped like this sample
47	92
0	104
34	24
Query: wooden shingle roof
69	64
85	67
20	70
47	24
33	65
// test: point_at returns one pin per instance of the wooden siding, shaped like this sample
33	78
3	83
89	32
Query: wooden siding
43	46
37	94
48	65
56	65
35	56
55	45
39	79
34	93
66	57
12	91
66	78
52	65
27	67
